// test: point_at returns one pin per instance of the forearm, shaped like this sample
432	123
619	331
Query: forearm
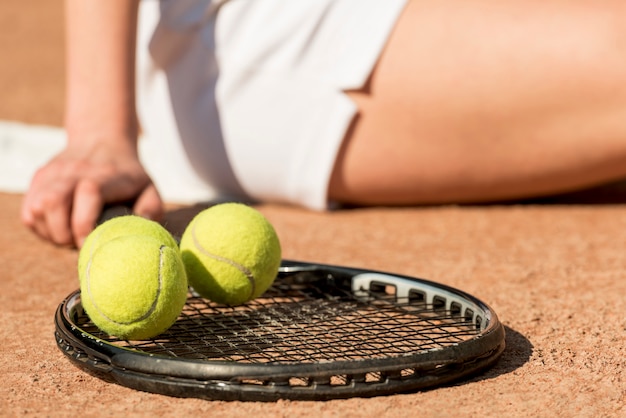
100	97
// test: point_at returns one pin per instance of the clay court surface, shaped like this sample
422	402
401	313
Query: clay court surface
554	273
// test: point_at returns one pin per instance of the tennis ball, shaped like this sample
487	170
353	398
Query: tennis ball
231	253
134	286
117	227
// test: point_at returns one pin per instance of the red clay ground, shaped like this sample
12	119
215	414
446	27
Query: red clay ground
555	274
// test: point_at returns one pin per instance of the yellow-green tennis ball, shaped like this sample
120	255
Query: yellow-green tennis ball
118	227
231	253
134	286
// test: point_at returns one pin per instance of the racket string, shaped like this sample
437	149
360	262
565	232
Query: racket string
318	333
303	325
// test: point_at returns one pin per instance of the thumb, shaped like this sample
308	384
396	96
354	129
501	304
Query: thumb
149	204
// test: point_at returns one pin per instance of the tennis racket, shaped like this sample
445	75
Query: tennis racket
320	332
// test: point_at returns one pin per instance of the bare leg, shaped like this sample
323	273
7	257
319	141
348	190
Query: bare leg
486	100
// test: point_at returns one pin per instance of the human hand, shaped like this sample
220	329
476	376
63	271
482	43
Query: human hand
67	195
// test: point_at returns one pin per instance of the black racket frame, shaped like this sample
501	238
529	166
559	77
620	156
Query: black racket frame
227	380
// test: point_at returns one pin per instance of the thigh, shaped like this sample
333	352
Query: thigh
489	99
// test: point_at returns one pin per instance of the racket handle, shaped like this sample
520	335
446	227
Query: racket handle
114	210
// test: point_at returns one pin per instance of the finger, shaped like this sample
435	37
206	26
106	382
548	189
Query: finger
57	221
87	206
149	204
46	210
36	221
32	212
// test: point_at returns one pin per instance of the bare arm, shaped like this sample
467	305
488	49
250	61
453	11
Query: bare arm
100	70
100	163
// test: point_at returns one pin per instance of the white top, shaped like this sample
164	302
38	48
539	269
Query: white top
245	98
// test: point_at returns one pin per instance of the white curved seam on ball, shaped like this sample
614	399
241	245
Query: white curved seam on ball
243	269
154	304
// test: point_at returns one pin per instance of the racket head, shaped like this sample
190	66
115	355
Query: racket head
321	332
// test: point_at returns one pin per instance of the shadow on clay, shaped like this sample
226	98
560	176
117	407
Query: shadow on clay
517	352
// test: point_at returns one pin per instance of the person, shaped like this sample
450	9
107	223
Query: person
323	102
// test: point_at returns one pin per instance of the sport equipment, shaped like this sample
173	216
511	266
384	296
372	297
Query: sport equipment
121	226
134	286
320	332
231	253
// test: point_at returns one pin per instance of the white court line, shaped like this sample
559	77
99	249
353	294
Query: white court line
24	148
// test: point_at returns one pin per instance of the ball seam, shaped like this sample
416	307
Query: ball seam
243	269
154	303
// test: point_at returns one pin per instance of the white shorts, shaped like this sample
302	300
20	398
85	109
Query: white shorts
245	98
